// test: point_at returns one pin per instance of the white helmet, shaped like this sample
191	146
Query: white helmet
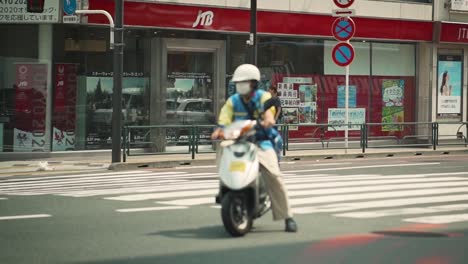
246	72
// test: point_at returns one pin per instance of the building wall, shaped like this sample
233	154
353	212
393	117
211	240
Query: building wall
382	9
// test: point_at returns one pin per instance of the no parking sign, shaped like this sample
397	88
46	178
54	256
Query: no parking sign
343	54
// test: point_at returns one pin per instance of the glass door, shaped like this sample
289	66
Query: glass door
189	88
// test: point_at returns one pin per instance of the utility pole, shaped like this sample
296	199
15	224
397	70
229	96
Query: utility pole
117	91
252	42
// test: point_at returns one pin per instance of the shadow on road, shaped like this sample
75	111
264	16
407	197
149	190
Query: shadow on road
208	232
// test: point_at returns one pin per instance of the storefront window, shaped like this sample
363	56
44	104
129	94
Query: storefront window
312	88
83	72
24	86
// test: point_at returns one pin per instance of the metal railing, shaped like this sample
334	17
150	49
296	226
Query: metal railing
195	139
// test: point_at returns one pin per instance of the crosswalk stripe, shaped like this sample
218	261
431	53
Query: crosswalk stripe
74	176
439	219
370	182
3	198
146	209
378	195
97	183
377	188
14	217
315	192
368	167
149	196
142	189
107	178
143	186
343	207
405	211
189	202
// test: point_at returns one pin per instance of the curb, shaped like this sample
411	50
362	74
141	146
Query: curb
172	164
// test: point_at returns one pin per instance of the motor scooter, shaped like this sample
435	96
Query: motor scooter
243	196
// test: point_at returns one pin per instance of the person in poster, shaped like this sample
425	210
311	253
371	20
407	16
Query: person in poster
449	85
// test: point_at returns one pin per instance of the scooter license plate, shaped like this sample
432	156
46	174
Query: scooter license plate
237	166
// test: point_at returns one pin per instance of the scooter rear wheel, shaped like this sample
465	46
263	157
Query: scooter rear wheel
236	215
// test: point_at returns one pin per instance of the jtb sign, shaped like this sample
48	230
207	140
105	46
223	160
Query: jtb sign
204	19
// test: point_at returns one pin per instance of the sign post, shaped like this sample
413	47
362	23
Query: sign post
343	53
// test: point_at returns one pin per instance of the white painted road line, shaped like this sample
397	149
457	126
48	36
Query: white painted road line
91	175
147	209
406	211
369	182
108	178
343	207
377	195
196	167
14	217
360	189
3	198
368	167
189	202
165	195
439	219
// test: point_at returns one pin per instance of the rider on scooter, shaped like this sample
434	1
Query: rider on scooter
246	104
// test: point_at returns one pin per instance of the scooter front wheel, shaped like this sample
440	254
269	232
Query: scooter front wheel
236	215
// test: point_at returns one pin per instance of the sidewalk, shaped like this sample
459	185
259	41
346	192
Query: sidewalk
101	162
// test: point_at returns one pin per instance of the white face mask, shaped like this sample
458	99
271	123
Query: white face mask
243	88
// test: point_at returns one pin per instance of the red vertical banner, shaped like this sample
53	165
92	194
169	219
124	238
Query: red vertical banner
30	107
64	116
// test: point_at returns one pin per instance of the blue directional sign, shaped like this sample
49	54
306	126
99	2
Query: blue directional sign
343	54
69	7
343	29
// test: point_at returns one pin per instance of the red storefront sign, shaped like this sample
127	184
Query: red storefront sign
453	32
269	22
64	116
31	96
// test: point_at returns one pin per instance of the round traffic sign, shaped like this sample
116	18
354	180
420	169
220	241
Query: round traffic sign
343	3
343	28
343	54
69	7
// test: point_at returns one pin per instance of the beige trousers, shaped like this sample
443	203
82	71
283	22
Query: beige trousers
274	183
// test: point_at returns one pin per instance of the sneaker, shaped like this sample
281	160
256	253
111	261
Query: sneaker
291	225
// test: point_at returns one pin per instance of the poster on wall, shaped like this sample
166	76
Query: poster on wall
392	104
342	96
30	107
291	117
135	102
336	117
303	100
64	114
449	85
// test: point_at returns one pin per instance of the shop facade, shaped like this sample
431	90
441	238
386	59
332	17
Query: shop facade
56	85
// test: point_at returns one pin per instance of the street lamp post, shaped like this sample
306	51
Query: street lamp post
118	73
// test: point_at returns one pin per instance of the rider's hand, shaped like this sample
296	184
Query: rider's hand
216	134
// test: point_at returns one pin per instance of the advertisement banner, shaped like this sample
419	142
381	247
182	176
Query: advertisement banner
64	114
301	103
449	85
392	104
30	107
14	11
336	117
342	96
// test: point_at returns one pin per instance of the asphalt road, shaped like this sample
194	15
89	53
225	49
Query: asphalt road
412	210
